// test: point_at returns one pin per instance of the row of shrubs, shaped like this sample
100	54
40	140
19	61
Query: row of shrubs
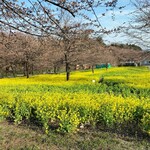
67	112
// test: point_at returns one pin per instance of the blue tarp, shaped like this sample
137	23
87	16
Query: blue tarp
103	65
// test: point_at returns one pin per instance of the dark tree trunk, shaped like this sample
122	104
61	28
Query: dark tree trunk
55	69
32	69
92	68
27	69
14	72
68	76
27	65
6	71
24	69
67	68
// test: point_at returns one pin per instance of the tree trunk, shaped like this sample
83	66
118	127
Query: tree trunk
27	69
14	72
92	69
68	76
67	68
27	65
32	69
55	69
24	69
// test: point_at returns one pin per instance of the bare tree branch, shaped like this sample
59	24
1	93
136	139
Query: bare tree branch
58	5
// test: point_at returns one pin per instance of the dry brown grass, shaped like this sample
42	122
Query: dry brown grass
13	137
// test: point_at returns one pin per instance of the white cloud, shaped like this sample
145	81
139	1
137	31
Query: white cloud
109	21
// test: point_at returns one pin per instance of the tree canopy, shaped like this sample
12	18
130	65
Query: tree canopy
43	17
139	27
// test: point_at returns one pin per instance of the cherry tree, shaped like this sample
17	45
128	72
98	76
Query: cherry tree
139	27
43	18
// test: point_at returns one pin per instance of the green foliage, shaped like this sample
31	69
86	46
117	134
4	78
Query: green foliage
68	120
106	114
21	111
146	122
129	46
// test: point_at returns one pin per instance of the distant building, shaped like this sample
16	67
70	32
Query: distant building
128	63
145	61
86	66
83	66
78	67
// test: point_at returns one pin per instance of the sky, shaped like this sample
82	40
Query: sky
122	17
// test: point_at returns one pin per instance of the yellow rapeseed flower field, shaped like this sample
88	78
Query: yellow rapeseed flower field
50	100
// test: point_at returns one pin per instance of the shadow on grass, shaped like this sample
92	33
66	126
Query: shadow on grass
126	130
